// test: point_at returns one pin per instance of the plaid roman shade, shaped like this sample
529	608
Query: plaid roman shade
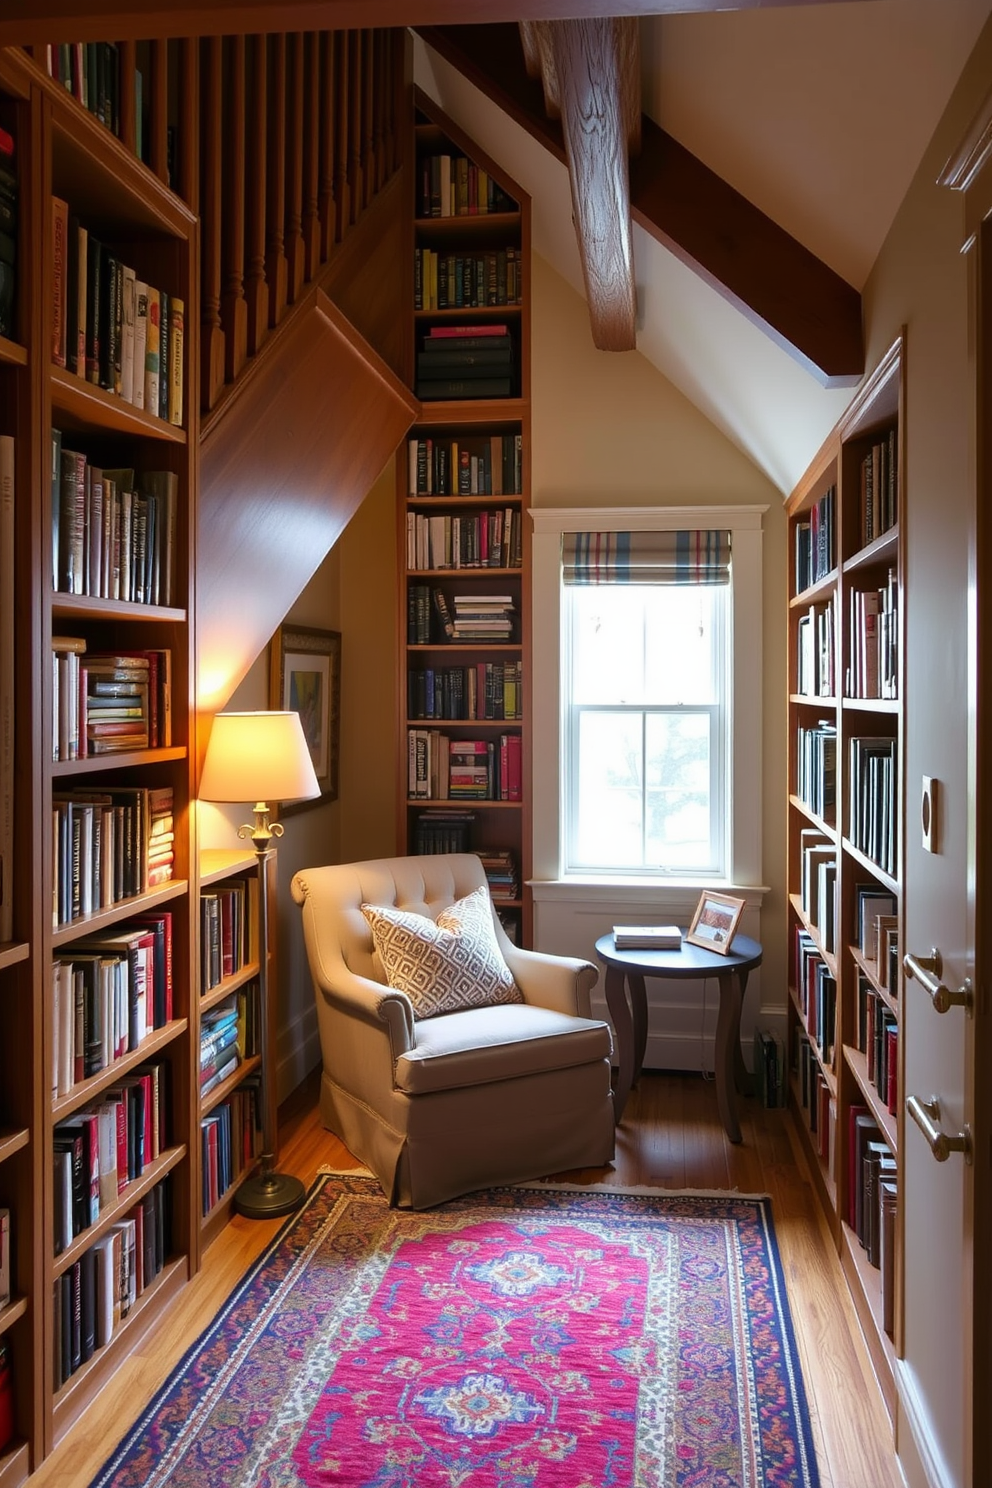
646	557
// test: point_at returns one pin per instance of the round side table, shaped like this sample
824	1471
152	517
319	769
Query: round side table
625	974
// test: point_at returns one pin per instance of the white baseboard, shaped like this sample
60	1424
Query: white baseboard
920	1457
687	1040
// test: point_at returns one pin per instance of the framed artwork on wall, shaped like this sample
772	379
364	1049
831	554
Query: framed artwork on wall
305	677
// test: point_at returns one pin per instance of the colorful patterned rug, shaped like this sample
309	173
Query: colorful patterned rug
519	1338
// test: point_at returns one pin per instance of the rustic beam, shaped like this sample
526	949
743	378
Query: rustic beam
589	73
801	303
24	22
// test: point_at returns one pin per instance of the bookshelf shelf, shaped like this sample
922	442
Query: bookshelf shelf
14	1464
12	952
12	1312
82	405
230	984
154	1172
13	353
81	1094
11	1142
102	919
86	607
221	1092
850	621
101	764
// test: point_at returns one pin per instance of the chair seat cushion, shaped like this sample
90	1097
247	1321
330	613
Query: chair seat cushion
497	1043
446	965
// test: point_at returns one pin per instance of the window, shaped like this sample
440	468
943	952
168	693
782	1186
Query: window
646	699
645	695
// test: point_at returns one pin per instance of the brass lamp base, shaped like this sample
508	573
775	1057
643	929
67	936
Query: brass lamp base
267	1195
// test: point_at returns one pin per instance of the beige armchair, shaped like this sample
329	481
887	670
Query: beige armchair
439	1106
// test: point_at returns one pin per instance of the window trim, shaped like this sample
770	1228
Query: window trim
547	721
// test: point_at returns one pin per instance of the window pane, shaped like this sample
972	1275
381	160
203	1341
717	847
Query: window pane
607	811
641	645
677	805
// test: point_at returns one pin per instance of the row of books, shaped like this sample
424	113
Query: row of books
816	1102
872	1196
230	1140
818	884
100	1150
441	831
225	932
486	690
446	769
8	236
875	926
469	619
90	71
816	542
113	533
816	990
878	1041
106	703
816	643
97	1292
109	992
467	466
816	768
110	327
466	281
454	186
874	646
229	1034
110	842
5	1252
769	1069
466	362
485	539
872	813
878	498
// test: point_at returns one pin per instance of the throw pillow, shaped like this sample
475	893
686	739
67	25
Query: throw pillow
447	965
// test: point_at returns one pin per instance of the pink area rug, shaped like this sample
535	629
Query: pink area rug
518	1338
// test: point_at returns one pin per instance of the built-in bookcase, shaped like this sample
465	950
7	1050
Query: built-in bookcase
98	1032
845	852
463	489
230	1084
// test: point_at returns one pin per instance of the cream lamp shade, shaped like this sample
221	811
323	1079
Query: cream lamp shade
258	757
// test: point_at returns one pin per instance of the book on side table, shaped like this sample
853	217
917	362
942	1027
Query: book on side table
647	937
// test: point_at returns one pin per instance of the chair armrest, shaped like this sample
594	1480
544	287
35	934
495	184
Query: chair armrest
375	1005
561	983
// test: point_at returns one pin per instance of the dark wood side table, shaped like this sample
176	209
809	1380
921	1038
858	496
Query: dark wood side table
625	974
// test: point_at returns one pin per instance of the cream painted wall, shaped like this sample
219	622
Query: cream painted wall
610	428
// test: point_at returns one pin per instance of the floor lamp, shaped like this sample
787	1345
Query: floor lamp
261	757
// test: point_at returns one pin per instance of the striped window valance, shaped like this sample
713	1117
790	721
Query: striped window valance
646	557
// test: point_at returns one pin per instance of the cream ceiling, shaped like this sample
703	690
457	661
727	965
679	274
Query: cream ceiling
818	114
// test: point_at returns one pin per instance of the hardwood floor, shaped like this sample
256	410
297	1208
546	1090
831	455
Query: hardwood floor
670	1137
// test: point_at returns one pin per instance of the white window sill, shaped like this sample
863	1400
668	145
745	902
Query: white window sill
657	894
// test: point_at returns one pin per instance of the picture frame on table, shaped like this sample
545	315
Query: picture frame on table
715	921
305	678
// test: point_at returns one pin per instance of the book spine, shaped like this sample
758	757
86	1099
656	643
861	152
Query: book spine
177	322
152	350
60	236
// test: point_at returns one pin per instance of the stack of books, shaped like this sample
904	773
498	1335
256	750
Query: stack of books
474	361
501	873
219	1056
8	233
647	937
482	617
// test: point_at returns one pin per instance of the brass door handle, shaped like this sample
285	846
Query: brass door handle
927	971
926	1114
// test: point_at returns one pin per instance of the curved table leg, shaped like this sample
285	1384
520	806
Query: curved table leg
728	1039
743	1080
639	1015
616	1001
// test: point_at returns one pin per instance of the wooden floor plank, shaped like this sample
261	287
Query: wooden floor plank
670	1138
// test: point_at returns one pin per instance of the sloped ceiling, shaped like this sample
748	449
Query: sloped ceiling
819	115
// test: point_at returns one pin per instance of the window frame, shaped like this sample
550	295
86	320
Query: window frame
549	721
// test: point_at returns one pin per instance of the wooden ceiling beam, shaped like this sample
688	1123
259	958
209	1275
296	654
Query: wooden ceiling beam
775	281
591	80
23	22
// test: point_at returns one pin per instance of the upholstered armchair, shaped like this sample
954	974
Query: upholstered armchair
488	1070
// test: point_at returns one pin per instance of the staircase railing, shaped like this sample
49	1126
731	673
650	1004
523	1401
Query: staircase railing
277	142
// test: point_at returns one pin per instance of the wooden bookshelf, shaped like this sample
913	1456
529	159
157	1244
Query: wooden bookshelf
846	816
463	484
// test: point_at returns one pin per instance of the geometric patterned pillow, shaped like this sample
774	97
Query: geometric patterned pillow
447	965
